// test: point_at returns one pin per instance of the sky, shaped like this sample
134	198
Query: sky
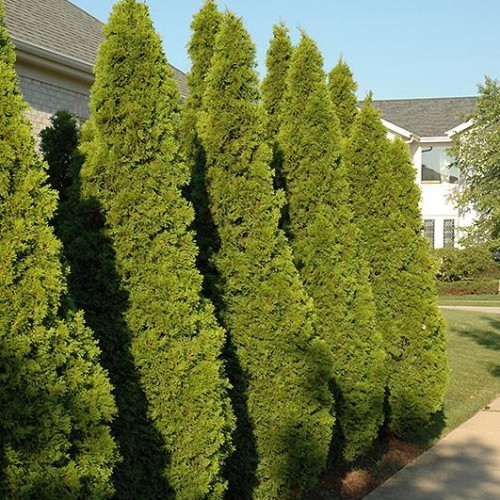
396	49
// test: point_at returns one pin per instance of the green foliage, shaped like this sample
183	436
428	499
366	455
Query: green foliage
55	399
457	264
273	88
478	158
325	242
95	287
385	201
278	59
58	145
342	89
264	306
134	170
205	26
477	286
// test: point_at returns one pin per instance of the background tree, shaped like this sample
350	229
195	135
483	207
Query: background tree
134	169
55	399
278	59
58	145
273	88
204	28
477	153
325	243
385	201
264	306
342	89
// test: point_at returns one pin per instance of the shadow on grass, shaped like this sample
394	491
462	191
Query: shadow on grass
494	370
95	286
485	338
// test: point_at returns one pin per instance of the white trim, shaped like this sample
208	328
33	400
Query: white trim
38	56
435	140
399	130
459	128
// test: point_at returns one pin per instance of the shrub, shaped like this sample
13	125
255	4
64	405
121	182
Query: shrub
386	206
326	246
456	264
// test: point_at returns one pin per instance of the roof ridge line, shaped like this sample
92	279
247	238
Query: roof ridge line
85	12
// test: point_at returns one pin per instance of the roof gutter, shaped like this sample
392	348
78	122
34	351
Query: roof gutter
407	136
35	55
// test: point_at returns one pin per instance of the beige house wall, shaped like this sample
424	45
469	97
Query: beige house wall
47	89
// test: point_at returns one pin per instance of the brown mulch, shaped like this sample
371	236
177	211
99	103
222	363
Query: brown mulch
354	483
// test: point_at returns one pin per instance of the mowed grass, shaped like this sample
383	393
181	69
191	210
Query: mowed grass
470	300
474	358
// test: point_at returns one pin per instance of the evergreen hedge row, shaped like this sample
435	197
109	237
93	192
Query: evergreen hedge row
325	241
264	307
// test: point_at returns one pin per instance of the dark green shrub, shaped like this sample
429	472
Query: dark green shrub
278	362
478	286
58	145
457	264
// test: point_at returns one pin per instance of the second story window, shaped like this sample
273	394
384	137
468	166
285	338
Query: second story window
438	166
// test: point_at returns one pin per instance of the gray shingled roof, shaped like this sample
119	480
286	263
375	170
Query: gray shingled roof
61	27
427	117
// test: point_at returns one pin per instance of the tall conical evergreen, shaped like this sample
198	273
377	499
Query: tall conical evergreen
273	88
265	308
278	60
385	200
325	243
58	145
133	168
204	27
55	399
342	89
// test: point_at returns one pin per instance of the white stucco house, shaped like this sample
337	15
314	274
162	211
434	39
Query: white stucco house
56	47
428	127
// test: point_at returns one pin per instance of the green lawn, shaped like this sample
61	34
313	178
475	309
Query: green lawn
474	358
470	300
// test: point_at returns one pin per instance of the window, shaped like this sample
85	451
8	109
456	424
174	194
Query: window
449	233
429	226
438	166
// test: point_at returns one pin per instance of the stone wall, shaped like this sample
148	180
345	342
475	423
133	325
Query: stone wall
45	99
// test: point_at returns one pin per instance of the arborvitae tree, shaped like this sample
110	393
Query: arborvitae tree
265	309
58	145
325	243
274	84
133	167
273	87
385	200
55	399
205	26
342	89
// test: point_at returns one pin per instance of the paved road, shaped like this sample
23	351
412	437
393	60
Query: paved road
485	309
465	465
